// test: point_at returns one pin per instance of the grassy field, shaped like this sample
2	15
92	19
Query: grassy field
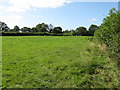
56	62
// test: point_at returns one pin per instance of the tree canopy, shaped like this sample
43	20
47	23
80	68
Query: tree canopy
4	27
81	31
57	30
42	27
92	29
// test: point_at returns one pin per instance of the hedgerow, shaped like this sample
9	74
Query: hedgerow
109	34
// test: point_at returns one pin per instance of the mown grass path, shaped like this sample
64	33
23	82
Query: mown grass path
55	61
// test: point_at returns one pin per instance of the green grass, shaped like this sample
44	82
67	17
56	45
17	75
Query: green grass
55	62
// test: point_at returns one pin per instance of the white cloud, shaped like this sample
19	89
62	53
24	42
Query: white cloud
94	0
93	20
10	8
12	20
24	5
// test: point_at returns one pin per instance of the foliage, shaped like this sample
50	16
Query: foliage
81	31
34	29
92	29
109	33
4	27
26	29
16	28
73	33
42	27
57	30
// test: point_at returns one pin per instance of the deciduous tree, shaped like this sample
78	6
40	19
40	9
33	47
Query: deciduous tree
4	27
92	29
81	31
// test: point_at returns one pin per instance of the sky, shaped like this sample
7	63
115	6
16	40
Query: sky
69	14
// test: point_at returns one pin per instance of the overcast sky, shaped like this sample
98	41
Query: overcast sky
69	14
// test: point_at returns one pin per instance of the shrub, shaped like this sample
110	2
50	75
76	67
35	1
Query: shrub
109	33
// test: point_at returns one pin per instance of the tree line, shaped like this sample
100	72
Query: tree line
45	29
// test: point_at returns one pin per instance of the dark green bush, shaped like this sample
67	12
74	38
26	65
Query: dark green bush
109	33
